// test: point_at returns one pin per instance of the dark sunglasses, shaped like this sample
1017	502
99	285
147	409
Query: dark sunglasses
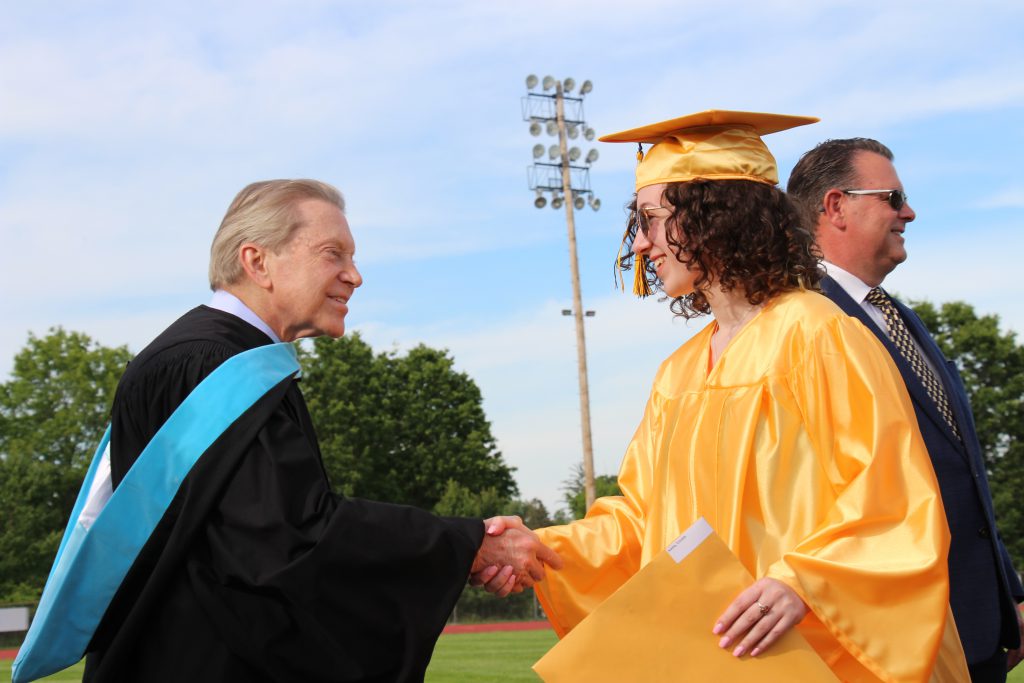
897	199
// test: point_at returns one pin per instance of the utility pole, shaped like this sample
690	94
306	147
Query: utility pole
548	112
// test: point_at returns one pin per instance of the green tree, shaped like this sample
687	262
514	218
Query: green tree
575	497
991	363
458	501
461	502
535	514
53	412
398	428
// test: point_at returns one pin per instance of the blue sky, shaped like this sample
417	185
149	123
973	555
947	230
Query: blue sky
126	129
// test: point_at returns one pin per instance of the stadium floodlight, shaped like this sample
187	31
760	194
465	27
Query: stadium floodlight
563	181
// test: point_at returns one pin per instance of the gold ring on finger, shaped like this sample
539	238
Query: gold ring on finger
765	609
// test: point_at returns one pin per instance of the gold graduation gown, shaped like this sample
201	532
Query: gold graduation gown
801	449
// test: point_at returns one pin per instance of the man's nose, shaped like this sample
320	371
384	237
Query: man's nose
352	276
907	213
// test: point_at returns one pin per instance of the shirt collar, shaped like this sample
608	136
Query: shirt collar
229	303
852	284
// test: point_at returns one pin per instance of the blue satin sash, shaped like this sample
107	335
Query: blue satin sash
99	548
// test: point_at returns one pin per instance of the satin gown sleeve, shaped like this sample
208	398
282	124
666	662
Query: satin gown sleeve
603	550
880	549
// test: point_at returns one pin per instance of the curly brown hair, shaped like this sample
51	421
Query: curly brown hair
749	235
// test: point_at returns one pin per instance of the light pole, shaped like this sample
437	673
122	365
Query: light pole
567	178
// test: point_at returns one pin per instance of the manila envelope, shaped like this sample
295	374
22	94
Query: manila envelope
657	627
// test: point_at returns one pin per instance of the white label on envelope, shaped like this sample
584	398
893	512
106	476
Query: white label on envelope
690	539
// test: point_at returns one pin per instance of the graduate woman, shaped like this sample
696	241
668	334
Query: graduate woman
783	423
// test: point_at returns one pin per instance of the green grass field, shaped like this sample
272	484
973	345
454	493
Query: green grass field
480	657
72	674
465	658
458	658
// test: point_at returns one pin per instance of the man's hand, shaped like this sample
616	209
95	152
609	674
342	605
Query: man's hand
759	615
510	558
1014	657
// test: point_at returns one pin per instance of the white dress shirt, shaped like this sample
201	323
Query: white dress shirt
858	291
229	303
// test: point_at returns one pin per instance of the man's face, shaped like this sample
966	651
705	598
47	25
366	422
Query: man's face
874	229
314	275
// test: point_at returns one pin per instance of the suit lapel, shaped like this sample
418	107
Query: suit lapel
915	387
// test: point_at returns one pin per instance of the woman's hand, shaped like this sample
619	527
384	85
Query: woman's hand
759	616
507	546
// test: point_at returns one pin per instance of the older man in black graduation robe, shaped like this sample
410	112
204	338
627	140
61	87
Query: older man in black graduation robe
257	571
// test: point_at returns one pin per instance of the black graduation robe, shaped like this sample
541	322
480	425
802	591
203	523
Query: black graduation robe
258	572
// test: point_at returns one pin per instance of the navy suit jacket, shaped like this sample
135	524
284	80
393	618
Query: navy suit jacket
984	588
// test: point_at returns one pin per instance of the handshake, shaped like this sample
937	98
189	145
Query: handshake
510	558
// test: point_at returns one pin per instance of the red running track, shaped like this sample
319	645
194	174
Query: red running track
450	628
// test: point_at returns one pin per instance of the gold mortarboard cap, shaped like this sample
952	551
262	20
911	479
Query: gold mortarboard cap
714	145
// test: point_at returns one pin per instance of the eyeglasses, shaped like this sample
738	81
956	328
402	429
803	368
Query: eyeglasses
897	199
643	218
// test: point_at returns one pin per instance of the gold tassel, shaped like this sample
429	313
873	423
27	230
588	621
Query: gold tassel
641	287
639	152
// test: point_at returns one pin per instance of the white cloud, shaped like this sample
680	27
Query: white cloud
126	129
888	103
975	265
1009	198
525	364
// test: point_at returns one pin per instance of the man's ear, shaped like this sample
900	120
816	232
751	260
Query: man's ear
833	209
253	258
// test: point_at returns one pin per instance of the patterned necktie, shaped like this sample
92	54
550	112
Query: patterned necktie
900	336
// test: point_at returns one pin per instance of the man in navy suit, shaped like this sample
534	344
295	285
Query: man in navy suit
851	188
